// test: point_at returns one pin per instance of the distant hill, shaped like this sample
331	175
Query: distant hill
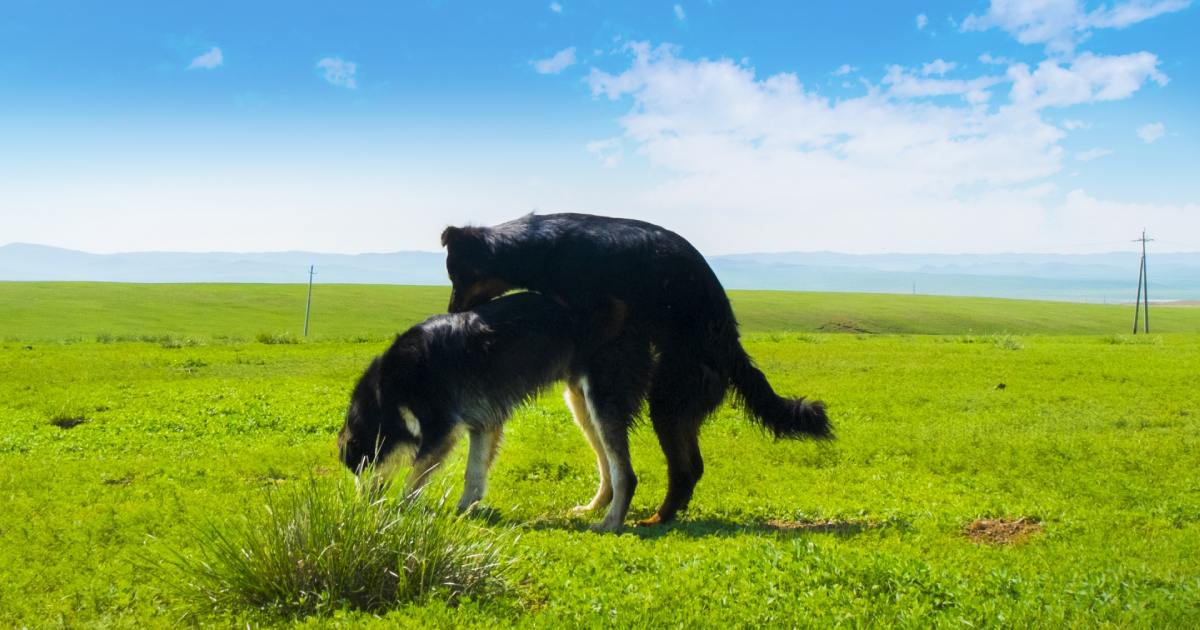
173	313
1110	277
21	261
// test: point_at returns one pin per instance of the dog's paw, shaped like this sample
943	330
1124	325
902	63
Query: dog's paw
587	508
654	519
465	505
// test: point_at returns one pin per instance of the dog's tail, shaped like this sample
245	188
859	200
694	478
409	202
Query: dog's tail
784	417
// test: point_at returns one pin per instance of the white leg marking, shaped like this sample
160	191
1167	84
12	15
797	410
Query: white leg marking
410	421
579	411
479	459
619	484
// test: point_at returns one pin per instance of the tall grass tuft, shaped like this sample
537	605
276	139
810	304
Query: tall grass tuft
326	545
274	339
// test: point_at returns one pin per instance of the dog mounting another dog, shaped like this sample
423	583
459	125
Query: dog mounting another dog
638	314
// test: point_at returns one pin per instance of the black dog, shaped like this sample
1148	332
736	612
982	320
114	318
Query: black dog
469	370
671	298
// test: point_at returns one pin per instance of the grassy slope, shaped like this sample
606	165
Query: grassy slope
1094	435
59	310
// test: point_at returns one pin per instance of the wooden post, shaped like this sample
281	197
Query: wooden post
308	306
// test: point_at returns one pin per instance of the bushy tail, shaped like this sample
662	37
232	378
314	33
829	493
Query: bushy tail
784	417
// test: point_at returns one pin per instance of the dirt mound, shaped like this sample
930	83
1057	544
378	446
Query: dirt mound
1003	531
845	326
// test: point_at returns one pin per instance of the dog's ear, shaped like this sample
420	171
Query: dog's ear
450	234
453	235
458	236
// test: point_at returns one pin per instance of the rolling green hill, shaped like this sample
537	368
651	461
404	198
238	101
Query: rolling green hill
73	310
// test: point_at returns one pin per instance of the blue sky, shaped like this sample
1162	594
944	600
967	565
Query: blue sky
1013	125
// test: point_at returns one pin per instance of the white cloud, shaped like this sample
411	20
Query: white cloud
904	84
1062	24
209	60
1088	78
679	14
1071	124
556	7
922	21
1124	14
339	72
844	69
870	173
1151	132
1094	220
556	63
938	67
608	150
1091	154
991	60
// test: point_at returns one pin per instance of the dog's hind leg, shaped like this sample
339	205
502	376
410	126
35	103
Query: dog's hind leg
481	454
684	392
614	386
613	432
579	411
679	437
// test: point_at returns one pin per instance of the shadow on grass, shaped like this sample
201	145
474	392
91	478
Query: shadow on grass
706	527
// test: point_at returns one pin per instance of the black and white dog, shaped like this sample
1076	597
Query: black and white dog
668	297
469	370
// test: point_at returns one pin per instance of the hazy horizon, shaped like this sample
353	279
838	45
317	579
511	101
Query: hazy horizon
1073	277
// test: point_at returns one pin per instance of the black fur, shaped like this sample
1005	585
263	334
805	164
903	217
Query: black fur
471	367
673	299
469	370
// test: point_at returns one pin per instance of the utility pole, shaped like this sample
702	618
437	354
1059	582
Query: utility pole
1143	295
307	307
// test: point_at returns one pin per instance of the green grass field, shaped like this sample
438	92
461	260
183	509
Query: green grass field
230	312
951	411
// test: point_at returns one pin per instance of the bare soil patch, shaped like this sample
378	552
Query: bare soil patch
845	326
1003	531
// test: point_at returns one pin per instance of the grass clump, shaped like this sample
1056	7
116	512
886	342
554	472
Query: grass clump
164	340
1004	341
274	339
1007	342
329	544
67	420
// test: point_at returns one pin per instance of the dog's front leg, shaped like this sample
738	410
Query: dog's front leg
427	462
484	443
